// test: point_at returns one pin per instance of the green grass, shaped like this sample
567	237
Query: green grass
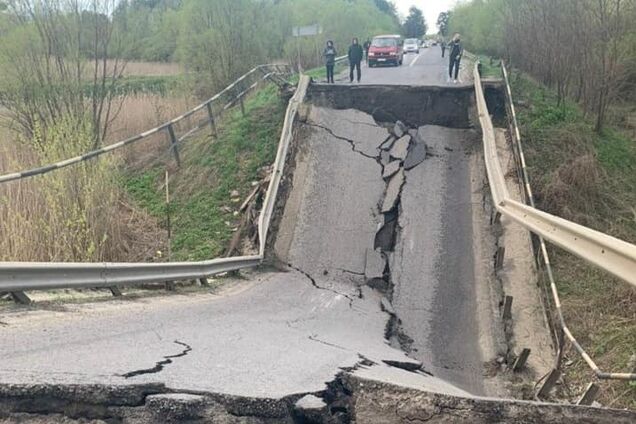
211	168
489	68
599	192
320	73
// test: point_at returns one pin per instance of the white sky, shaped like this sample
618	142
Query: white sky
431	9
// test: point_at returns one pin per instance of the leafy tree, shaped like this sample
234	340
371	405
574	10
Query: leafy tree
414	25
442	23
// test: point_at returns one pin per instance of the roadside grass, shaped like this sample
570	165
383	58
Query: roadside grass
319	73
589	178
202	211
490	67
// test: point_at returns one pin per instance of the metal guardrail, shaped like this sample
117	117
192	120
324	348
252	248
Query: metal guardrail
613	255
609	253
25	276
268	70
544	251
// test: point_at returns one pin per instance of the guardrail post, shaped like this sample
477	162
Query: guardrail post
549	383
115	291
499	257
507	311
211	117
588	397
204	282
173	144
21	297
242	105
521	360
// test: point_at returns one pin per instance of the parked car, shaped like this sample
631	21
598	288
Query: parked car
411	45
386	49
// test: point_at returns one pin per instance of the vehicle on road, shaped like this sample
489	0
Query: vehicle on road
411	45
386	49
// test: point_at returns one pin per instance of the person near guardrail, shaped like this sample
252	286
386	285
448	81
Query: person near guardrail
330	54
355	58
455	56
366	46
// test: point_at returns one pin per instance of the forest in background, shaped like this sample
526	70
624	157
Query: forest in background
583	49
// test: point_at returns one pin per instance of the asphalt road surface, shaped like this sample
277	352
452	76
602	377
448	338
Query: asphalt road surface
426	68
291	332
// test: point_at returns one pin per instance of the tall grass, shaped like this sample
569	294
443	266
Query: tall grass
72	215
590	178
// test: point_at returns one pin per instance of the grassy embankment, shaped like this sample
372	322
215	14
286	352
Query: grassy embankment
202	211
589	178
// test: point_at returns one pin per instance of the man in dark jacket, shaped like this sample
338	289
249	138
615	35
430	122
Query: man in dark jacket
355	58
456	52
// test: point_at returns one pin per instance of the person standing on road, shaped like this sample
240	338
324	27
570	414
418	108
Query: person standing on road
455	56
367	46
330	60
355	57
442	44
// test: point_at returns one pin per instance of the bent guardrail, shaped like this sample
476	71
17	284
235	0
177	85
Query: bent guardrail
25	276
609	253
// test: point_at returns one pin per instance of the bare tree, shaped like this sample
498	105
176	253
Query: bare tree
62	60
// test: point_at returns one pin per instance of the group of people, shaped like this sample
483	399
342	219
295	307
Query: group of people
456	50
357	53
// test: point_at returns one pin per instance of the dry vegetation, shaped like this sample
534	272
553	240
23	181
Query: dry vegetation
152	69
83	213
73	215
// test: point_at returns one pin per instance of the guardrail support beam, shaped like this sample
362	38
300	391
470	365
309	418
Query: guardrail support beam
549	383
521	360
173	144
588	397
211	117
21	297
204	282
115	291
499	257
507	311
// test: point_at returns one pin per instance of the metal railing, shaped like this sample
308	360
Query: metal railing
25	276
611	254
269	71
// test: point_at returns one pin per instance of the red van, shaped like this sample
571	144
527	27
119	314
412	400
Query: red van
386	49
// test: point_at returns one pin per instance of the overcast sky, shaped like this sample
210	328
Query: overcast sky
431	9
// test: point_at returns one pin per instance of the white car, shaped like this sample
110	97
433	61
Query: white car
411	45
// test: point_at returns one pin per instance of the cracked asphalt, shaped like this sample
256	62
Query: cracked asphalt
284	333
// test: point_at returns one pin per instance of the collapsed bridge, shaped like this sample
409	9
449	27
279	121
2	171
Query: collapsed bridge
378	307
